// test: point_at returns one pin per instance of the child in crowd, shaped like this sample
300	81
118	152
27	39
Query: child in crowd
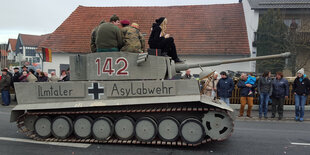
251	80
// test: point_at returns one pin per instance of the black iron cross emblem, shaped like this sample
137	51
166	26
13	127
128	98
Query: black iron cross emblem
96	91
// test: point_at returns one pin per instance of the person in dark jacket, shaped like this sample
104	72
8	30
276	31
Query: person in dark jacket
225	86
301	92
280	91
16	76
264	88
64	76
245	96
5	83
93	46
160	40
42	77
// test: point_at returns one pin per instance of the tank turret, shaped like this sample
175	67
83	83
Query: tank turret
134	66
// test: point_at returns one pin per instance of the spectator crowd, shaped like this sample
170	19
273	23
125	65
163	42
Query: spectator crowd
7	79
274	90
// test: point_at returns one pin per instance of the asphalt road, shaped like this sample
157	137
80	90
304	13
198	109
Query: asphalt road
250	137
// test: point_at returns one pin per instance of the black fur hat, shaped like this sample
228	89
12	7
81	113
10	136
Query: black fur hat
160	20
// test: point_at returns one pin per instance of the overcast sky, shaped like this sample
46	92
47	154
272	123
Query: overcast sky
44	16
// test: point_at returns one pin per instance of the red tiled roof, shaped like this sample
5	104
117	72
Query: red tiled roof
33	40
197	29
13	43
3	53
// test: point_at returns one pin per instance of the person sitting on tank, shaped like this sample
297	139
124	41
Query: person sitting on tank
93	46
109	37
132	38
159	39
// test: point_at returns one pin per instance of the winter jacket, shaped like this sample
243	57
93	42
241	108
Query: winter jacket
42	79
66	78
5	83
244	90
301	86
264	85
23	78
32	78
53	78
225	87
155	38
280	88
16	76
133	40
108	36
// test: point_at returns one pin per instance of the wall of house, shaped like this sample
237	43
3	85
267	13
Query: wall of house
11	54
57	59
243	66
251	20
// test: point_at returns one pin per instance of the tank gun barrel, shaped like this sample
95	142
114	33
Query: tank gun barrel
183	67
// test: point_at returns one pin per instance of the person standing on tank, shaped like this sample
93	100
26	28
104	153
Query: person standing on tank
109	37
133	39
301	91
264	88
246	97
224	88
159	39
280	91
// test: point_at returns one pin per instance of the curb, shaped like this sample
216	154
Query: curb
256	107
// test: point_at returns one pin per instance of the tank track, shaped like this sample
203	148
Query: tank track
113	139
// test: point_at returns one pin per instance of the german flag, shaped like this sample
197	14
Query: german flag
47	55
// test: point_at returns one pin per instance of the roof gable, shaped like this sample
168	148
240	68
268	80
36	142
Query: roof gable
198	29
13	44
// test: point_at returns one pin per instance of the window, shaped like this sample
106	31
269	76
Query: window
36	60
51	70
288	22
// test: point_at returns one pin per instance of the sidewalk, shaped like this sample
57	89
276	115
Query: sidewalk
288	113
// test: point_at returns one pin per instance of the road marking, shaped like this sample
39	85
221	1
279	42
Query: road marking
306	144
79	145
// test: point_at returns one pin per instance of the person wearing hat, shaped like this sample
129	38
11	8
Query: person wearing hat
133	39
224	87
108	36
25	68
16	75
93	46
5	84
159	39
301	91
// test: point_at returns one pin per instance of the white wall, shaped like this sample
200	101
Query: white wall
251	20
10	54
57	59
242	66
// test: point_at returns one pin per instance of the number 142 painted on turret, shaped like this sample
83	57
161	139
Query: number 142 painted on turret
112	68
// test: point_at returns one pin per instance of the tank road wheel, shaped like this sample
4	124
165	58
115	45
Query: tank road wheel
124	128
42	126
168	129
102	128
29	122
218	125
191	131
82	127
145	129
62	127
